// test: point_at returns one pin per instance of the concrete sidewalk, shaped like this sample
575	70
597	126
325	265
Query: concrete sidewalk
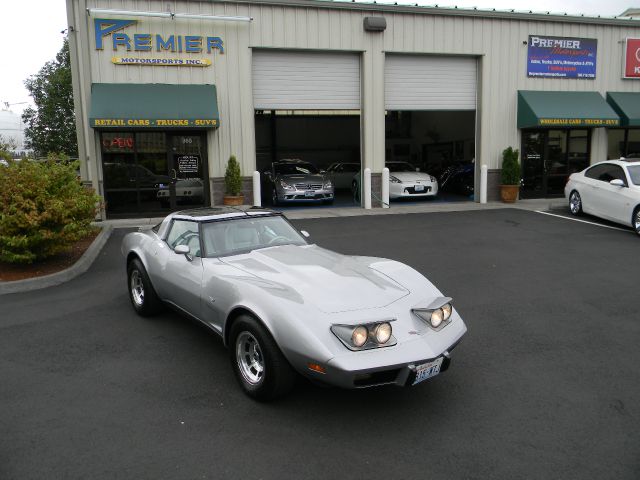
297	213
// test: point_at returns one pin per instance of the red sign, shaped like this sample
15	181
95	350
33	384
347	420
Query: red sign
632	58
118	142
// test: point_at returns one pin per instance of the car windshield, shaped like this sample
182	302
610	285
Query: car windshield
400	167
294	168
242	235
634	173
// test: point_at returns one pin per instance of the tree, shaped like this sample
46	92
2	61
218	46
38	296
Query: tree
7	145
51	126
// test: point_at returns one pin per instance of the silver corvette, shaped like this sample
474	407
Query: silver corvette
283	305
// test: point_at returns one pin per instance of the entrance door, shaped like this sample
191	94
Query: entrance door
186	155
549	157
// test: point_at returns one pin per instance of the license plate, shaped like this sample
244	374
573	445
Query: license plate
419	188
309	193
427	370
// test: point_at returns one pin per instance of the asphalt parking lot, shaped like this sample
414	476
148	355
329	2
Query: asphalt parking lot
544	385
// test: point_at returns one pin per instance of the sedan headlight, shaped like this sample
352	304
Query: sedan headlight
433	179
327	185
393	179
286	186
365	336
437	315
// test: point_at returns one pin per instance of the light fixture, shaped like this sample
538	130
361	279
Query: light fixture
173	16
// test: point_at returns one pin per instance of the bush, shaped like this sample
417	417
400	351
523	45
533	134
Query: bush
232	177
510	167
44	209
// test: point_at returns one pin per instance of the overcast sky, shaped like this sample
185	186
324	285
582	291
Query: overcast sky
30	33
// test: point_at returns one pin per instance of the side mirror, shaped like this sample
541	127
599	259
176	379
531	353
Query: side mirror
616	182
182	249
305	234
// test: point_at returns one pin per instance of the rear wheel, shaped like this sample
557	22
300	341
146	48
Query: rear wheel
143	297
575	203
260	367
636	220
274	198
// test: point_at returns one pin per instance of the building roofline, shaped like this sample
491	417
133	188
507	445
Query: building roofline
443	11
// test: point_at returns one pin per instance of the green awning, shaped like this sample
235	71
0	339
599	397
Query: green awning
154	105
627	105
538	109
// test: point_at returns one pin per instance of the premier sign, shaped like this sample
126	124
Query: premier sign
632	58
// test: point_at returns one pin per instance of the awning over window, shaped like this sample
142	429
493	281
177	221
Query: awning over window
627	105
539	109
125	105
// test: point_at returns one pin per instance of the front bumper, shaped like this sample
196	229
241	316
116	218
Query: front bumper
322	195
408	190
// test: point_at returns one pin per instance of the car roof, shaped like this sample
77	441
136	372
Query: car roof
621	161
205	214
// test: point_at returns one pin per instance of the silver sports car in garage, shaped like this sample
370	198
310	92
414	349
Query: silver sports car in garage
283	305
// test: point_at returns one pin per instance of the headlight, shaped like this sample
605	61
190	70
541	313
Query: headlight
437	316
359	336
447	309
328	184
393	179
382	333
433	179
285	185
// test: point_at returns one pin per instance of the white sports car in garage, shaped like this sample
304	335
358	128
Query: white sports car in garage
610	190
405	181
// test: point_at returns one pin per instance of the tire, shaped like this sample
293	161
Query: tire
328	202
355	191
274	198
143	297
636	220
575	203
260	367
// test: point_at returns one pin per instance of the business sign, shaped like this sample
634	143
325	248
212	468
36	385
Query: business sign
578	122
632	58
153	122
188	163
561	57
110	35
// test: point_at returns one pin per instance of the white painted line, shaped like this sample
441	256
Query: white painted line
582	221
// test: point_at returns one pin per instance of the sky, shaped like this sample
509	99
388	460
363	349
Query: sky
36	25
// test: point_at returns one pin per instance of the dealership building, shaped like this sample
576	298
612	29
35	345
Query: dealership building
166	92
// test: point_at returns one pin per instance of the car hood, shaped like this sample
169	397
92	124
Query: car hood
302	178
330	281
412	176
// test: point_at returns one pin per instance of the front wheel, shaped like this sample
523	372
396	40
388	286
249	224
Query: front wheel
274	198
260	367
636	220
575	203
143	297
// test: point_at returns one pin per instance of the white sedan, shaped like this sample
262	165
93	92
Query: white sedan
610	190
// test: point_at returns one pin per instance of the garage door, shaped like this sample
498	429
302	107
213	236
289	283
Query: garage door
305	81
419	82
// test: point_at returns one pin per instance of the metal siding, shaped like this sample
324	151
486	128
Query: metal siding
305	80
419	82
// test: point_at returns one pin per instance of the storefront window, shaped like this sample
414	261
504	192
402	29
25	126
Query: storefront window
633	143
615	142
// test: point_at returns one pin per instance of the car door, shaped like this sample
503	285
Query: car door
180	278
611	199
589	188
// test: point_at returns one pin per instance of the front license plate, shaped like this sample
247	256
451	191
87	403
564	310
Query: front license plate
309	193
427	370
419	188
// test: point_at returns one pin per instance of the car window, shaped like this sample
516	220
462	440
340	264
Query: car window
294	168
634	174
185	232
400	167
245	234
606	172
351	167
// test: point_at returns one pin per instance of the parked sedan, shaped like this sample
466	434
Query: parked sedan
293	180
342	173
284	306
610	190
405	181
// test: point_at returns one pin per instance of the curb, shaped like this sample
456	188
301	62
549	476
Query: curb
79	267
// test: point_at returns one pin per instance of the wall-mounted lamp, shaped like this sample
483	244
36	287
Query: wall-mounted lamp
375	24
173	16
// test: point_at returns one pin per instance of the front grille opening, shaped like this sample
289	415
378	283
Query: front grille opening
376	378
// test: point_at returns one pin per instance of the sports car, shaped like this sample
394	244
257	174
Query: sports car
285	306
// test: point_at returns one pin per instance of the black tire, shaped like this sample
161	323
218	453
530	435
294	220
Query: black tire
635	222
274	198
575	203
276	378
328	202
143	297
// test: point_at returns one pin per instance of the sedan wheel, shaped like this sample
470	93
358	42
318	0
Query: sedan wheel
260	367
274	197
575	203
636	220
143	297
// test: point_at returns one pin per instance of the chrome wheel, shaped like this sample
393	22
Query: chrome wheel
249	358
636	221
575	203
137	288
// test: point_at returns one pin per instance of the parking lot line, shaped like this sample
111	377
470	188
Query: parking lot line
582	221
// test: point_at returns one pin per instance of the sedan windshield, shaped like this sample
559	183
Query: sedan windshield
294	168
634	173
400	167
245	234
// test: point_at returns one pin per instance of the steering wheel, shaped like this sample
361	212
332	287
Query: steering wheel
276	238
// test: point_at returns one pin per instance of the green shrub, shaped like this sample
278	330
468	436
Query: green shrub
232	177
44	209
510	167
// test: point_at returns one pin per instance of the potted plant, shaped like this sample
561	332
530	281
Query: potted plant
233	183
510	178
